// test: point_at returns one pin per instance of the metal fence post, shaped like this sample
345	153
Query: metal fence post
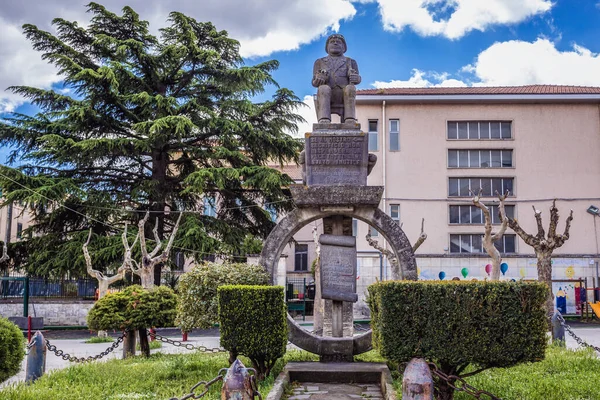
36	358
26	297
417	383
558	330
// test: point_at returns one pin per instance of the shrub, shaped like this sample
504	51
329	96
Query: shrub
134	308
11	349
198	307
253	323
455	324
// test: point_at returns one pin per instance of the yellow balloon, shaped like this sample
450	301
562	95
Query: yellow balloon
522	272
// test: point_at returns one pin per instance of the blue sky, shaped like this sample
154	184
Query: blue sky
395	42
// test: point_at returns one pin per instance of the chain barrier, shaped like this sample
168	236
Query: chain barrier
68	357
203	385
460	385
579	340
187	346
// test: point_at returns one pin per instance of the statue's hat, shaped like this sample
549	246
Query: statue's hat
338	36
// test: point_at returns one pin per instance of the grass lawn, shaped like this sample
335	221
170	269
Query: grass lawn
563	375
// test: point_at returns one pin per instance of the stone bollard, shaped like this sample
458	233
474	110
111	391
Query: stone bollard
36	358
237	383
417	383
558	331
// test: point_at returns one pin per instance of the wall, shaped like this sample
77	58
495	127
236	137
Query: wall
65	313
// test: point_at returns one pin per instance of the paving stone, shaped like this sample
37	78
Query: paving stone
300	397
312	388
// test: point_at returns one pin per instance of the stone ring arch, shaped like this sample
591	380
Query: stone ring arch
300	217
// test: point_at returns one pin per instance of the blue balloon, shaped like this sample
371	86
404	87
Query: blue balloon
503	268
442	275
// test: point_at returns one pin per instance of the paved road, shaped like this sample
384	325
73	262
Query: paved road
73	342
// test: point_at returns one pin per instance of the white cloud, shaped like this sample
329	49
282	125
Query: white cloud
454	18
520	63
20	65
421	79
262	27
309	114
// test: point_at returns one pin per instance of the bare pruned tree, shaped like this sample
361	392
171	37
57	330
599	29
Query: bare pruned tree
544	245
488	237
5	256
105	281
318	303
394	263
145	270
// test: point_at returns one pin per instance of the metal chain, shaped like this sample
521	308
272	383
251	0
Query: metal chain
202	384
68	357
579	340
187	346
457	383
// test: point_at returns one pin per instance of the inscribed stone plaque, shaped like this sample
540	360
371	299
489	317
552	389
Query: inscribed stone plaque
338	267
336	159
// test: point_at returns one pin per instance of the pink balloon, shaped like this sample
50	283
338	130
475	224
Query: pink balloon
488	269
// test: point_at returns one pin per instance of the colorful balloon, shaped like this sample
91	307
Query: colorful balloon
464	272
522	272
442	275
488	269
503	268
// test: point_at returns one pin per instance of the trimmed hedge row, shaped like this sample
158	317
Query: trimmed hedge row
134	308
457	323
197	307
11	349
253	323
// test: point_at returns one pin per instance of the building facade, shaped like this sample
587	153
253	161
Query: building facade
435	146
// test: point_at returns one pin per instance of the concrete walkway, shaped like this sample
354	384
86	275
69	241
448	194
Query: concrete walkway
335	391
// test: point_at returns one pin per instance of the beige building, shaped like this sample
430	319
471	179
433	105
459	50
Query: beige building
434	144
13	220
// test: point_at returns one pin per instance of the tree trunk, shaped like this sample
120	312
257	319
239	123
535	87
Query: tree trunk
146	278
144	345
129	344
544	269
160	160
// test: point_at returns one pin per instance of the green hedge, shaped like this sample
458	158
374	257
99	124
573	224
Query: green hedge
12	348
253	323
197	307
489	324
134	308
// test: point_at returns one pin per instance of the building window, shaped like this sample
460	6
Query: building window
210	209
179	260
395	212
354	227
459	187
301	257
373	145
480	158
373	232
394	135
469	214
468	243
475	130
19	230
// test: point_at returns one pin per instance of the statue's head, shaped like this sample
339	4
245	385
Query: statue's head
336	45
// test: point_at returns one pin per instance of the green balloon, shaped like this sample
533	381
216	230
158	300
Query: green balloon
464	272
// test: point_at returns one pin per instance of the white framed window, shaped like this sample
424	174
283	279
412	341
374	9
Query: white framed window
477	130
354	227
301	257
395	212
473	243
394	135
373	135
472	215
19	230
462	187
373	232
480	158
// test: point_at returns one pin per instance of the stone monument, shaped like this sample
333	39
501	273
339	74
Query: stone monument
336	164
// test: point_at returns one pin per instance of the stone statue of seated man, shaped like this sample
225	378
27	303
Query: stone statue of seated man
335	76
